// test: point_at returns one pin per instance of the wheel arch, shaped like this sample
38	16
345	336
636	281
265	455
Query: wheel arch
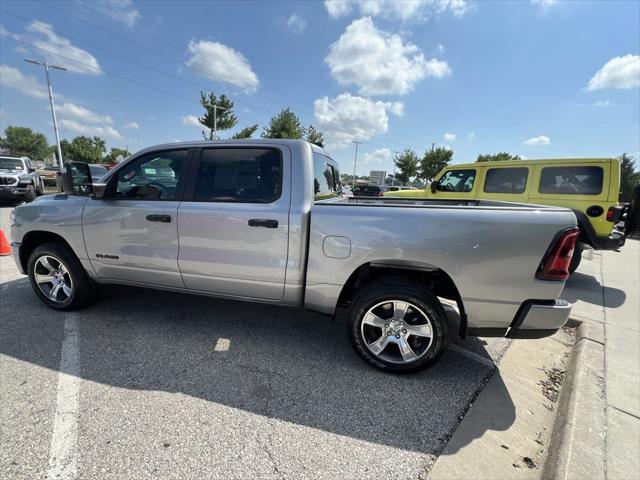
34	239
436	279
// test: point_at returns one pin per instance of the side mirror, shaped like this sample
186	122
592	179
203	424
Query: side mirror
76	180
99	189
31	169
434	186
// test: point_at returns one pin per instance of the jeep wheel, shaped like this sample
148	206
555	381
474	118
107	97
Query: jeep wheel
58	278
398	326
575	259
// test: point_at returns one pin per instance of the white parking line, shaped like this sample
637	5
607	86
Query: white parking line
64	440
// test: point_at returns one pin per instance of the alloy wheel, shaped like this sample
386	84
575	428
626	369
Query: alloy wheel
397	331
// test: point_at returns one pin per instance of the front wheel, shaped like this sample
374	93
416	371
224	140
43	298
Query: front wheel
398	326
58	278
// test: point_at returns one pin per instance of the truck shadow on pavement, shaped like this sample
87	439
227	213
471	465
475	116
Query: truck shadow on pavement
588	289
284	364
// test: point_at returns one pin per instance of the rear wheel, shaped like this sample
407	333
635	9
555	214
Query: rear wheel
397	326
58	278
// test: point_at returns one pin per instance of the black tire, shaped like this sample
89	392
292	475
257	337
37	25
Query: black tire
82	291
575	259
404	290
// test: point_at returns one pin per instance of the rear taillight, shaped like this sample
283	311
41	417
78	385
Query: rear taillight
380	194
555	265
614	214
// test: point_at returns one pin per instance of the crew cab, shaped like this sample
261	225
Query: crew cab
19	180
265	221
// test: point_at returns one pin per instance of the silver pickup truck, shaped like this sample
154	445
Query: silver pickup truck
265	221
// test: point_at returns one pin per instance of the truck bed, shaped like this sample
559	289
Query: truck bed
422	202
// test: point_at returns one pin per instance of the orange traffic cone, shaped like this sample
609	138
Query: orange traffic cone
5	248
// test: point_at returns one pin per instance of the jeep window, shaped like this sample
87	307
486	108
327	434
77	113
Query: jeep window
506	180
148	177
11	164
326	181
457	181
245	175
571	180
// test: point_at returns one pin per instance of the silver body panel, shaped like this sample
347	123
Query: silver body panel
491	252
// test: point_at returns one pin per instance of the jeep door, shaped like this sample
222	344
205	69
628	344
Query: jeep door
234	222
131	232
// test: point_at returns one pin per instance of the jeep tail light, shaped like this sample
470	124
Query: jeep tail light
611	213
555	265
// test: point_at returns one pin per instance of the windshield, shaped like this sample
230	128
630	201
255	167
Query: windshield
11	164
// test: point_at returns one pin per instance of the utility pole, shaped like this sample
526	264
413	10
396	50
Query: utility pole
215	117
355	160
47	66
393	177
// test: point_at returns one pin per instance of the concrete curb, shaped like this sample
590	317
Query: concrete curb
577	449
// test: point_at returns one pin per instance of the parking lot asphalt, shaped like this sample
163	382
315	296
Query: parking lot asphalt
150	384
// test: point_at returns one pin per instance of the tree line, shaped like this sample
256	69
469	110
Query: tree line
219	116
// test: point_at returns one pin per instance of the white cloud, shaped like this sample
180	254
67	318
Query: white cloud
347	118
26	84
538	141
602	103
378	62
449	137
131	126
619	72
219	62
377	156
90	130
471	136
419	10
296	23
78	112
544	3
121	10
58	50
191	121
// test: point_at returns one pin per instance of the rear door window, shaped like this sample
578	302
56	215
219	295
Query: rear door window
326	177
244	175
506	180
583	180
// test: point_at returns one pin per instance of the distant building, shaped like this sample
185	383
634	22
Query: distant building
377	177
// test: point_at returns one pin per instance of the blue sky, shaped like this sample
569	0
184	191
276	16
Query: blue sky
539	78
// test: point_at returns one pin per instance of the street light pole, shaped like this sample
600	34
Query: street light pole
393	177
355	160
215	117
53	106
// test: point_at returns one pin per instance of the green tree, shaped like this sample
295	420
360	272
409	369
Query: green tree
112	156
629	177
312	135
83	149
246	132
407	165
433	161
497	157
222	119
286	124
25	142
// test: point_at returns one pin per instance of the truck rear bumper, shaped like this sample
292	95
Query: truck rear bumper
535	319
